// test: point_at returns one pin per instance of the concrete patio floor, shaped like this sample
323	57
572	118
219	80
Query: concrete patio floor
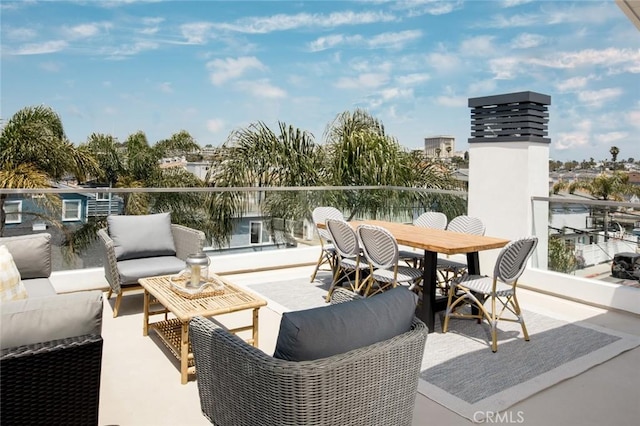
141	379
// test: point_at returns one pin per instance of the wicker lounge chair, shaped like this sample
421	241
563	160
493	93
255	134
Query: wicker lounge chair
145	246
374	385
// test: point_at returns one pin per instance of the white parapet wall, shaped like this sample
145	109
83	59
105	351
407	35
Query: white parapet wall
582	289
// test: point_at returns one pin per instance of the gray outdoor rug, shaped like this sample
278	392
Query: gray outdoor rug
460	372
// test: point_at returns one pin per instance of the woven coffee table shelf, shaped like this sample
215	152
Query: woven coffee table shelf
174	331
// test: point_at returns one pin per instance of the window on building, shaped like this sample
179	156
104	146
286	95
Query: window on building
13	211
102	196
256	232
70	210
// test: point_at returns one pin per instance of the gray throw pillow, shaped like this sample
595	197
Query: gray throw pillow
330	330
141	236
31	253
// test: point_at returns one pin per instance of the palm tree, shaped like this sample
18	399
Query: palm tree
359	152
34	152
256	156
614	151
136	164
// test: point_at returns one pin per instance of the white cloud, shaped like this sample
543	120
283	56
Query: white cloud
133	49
223	70
166	87
42	48
609	57
21	34
363	81
577	138
527	41
261	88
504	68
282	22
512	21
396	93
633	118
573	83
443	62
215	125
85	30
482	87
477	46
394	39
196	32
512	3
51	66
324	43
383	40
427	7
610	137
597	98
452	101
411	79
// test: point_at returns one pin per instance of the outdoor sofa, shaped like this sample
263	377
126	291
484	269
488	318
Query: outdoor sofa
50	345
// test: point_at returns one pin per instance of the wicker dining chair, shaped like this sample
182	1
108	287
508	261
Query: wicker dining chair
327	250
433	220
348	253
501	288
380	249
448	269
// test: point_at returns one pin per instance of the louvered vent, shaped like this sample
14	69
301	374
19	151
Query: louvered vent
511	117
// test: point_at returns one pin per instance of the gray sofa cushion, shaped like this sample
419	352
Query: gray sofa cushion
39	287
42	319
322	332
31	253
141	236
132	270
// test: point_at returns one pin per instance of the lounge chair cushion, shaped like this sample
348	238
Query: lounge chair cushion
11	287
31	253
141	236
322	332
42	319
132	270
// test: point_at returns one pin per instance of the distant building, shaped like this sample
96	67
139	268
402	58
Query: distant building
440	146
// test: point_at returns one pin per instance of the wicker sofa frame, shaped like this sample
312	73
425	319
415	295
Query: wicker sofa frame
52	383
241	385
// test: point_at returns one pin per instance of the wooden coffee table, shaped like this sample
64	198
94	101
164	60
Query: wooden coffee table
174	332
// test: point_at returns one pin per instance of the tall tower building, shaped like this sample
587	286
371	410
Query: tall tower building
440	146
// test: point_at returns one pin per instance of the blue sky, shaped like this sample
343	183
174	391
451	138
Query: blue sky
210	67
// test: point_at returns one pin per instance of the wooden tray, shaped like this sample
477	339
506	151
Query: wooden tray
213	287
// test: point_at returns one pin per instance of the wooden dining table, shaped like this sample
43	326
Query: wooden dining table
434	241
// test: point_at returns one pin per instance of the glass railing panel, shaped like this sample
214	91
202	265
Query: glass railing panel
235	220
593	239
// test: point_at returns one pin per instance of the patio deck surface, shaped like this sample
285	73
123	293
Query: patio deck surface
141	380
